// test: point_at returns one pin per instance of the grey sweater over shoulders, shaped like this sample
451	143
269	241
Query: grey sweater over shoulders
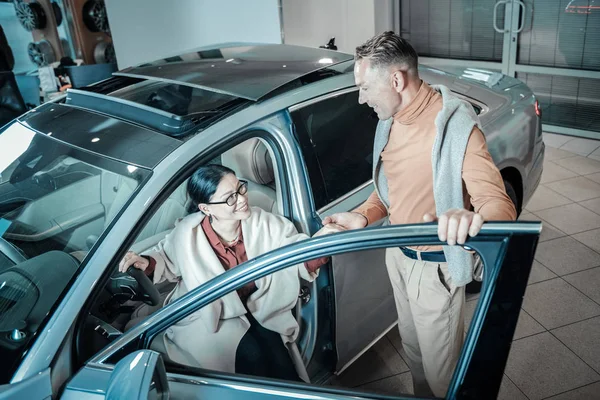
454	124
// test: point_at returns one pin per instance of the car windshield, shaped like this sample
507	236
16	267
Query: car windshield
55	202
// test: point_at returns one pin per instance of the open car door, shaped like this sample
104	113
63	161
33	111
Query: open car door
507	251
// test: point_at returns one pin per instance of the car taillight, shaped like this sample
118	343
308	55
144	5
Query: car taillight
538	109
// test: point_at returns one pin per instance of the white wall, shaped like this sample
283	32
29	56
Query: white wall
147	30
313	22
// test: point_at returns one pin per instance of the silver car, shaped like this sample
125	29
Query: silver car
103	170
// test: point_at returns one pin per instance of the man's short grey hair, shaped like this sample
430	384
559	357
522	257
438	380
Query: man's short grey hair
387	49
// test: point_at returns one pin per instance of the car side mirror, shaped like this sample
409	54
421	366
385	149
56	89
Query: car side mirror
140	375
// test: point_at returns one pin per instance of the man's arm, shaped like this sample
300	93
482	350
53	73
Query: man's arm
484	182
372	209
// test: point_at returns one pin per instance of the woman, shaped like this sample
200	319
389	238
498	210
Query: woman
245	331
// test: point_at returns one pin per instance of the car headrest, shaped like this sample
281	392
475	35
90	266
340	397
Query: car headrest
250	160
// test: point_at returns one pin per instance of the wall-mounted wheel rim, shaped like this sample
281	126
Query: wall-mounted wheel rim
41	53
104	53
30	15
94	16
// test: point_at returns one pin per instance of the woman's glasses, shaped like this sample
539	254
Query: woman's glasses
232	198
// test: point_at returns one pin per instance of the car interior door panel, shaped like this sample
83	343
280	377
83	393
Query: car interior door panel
343	147
362	316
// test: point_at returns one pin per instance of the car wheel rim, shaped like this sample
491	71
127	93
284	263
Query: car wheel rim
104	53
26	16
41	53
95	16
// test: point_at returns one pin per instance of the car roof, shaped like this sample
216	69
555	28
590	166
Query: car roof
245	71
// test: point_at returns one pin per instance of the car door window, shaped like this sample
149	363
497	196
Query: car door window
246	332
507	254
339	132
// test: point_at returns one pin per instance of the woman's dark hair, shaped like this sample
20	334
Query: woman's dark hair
203	184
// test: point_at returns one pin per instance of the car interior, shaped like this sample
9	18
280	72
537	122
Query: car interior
46	222
112	312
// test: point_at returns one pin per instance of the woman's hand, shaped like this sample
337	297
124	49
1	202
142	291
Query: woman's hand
134	259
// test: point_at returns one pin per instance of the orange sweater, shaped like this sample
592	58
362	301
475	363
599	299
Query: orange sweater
407	167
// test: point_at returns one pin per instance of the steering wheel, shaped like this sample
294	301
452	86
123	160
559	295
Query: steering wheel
147	291
142	289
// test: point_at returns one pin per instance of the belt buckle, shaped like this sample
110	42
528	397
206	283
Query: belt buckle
410	253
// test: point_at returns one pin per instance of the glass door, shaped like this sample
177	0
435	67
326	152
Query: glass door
551	45
451	32
557	54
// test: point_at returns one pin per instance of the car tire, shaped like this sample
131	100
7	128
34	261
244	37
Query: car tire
104	53
510	191
474	286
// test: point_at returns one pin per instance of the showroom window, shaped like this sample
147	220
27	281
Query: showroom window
340	132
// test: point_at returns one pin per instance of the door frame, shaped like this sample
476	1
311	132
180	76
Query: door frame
387	315
507	250
125	226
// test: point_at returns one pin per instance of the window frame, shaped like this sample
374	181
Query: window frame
177	179
313	163
271	117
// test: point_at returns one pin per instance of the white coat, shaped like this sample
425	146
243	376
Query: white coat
209	337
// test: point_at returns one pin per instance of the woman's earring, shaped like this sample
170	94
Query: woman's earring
210	219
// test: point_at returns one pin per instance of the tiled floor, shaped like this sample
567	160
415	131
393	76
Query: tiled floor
556	348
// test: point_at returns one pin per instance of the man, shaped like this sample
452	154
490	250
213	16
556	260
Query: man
430	161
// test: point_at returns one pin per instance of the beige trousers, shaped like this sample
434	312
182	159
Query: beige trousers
430	318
